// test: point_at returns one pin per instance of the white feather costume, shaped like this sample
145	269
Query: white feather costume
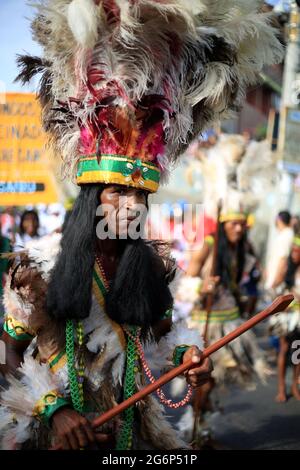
105	364
130	82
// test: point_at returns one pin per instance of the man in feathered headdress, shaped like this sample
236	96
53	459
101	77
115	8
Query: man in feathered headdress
125	86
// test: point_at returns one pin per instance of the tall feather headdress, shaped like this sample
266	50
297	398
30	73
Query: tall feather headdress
127	84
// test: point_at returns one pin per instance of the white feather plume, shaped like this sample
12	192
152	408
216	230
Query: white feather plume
44	253
179	335
19	399
103	341
83	22
36	381
185	424
14	429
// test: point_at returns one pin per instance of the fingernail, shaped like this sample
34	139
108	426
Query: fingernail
196	359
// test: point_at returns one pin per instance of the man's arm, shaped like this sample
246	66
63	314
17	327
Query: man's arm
197	261
281	272
196	264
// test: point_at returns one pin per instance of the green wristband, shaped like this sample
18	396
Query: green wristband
48	405
17	332
178	354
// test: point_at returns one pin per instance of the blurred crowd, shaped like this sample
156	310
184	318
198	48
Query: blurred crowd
20	227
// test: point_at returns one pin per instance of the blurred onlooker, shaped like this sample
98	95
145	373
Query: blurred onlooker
43	216
29	229
55	218
4	248
280	250
8	223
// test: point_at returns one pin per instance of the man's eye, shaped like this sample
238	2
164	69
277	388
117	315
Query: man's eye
120	191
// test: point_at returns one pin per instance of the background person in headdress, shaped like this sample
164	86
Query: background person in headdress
238	362
243	360
231	169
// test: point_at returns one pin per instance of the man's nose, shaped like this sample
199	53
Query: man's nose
133	199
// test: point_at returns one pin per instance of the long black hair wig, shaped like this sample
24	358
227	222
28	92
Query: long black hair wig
224	259
139	294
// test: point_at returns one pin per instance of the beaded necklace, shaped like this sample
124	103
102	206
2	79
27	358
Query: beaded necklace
134	353
103	275
76	377
124	438
167	402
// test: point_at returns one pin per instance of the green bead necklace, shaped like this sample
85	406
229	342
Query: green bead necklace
124	440
76	377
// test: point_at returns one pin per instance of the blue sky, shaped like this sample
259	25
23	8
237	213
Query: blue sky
15	38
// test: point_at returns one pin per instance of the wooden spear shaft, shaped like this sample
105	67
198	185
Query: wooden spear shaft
210	297
279	305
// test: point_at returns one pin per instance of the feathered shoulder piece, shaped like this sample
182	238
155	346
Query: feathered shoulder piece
127	84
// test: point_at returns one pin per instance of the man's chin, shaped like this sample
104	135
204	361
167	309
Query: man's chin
126	236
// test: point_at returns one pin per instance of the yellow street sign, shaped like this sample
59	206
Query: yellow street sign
26	170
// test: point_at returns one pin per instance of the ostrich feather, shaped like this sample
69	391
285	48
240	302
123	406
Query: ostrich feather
199	55
82	20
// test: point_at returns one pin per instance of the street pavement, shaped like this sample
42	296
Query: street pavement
253	419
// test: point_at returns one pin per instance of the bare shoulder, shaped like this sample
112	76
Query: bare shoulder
198	258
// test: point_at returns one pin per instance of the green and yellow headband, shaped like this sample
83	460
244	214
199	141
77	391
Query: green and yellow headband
233	216
118	169
296	241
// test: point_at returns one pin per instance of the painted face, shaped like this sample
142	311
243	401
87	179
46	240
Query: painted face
123	210
295	254
234	230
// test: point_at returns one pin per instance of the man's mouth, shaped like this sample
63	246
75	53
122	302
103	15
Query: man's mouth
128	218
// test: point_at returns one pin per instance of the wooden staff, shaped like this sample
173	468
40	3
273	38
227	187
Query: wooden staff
279	305
210	297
